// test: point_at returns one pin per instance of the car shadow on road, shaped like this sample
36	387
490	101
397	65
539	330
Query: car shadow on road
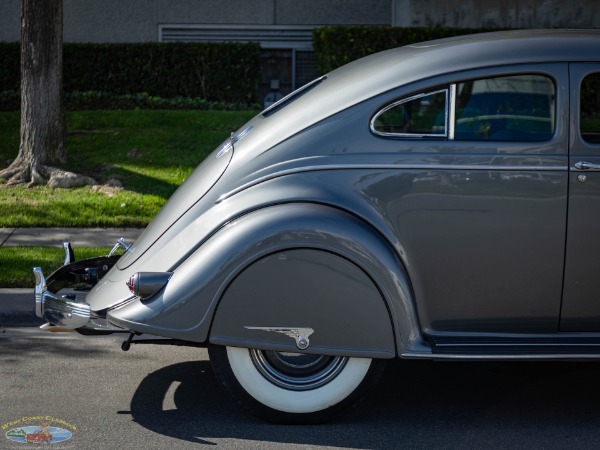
417	404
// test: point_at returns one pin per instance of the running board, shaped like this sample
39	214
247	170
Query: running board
516	347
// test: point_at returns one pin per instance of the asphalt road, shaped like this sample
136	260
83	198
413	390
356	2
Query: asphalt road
158	397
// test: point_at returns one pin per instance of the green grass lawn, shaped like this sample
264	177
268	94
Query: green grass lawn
17	262
150	151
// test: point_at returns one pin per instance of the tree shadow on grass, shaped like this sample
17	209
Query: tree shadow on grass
135	181
418	404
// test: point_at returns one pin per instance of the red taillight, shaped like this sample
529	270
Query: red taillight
131	283
145	284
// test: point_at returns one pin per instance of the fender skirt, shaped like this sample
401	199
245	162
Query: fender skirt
305	300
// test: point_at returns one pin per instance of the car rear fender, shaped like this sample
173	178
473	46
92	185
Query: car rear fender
326	283
293	265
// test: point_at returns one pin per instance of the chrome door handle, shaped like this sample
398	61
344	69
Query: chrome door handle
584	165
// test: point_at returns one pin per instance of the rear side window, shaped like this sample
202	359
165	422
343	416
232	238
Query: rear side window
508	108
589	114
513	108
422	115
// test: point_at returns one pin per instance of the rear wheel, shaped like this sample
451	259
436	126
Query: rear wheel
289	387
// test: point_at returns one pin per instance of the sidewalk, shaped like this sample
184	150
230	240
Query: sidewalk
79	237
17	306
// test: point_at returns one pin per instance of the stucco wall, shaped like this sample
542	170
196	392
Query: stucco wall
498	13
138	20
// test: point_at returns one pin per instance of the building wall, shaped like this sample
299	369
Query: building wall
138	20
497	13
284	27
10	18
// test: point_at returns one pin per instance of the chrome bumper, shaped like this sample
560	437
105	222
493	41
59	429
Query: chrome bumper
56	310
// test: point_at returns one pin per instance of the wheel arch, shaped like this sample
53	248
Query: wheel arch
309	252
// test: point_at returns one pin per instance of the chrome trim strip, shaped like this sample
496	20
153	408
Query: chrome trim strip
102	324
458	356
293	94
300	335
452	112
40	287
304	169
122	303
229	143
521	344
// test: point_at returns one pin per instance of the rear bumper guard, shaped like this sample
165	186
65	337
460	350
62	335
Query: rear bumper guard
68	311
56	310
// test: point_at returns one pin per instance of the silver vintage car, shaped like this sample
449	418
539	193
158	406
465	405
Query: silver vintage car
440	200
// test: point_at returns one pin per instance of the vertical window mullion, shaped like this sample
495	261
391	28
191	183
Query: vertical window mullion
451	114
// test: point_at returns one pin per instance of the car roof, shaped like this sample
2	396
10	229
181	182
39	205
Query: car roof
381	72
392	68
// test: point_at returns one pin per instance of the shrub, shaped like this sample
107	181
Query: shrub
222	72
215	72
336	46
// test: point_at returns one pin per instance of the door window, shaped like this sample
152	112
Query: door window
589	114
513	108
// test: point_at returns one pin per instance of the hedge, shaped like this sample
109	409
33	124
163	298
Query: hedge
216	72
336	46
9	66
140	75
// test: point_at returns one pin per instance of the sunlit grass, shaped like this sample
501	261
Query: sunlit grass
150	152
17	262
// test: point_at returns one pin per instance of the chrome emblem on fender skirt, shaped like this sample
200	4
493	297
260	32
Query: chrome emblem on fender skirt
300	335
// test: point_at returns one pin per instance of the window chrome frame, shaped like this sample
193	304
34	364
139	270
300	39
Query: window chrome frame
447	113
451	114
281	103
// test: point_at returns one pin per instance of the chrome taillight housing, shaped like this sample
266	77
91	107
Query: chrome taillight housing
146	284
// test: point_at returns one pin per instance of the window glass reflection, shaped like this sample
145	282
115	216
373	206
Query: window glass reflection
423	115
589	121
512	108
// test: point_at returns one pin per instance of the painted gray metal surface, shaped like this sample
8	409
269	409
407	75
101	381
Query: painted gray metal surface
185	308
460	238
317	288
580	311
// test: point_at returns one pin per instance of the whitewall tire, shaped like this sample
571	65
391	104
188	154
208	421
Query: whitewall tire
293	387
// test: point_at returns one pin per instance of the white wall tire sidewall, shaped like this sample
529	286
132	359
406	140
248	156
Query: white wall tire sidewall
297	402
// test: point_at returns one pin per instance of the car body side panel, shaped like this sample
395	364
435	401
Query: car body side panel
496	211
581	308
478	261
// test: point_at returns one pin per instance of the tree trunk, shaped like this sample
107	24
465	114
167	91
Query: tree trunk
42	110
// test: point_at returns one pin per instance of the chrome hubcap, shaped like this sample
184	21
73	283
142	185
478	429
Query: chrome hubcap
297	371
